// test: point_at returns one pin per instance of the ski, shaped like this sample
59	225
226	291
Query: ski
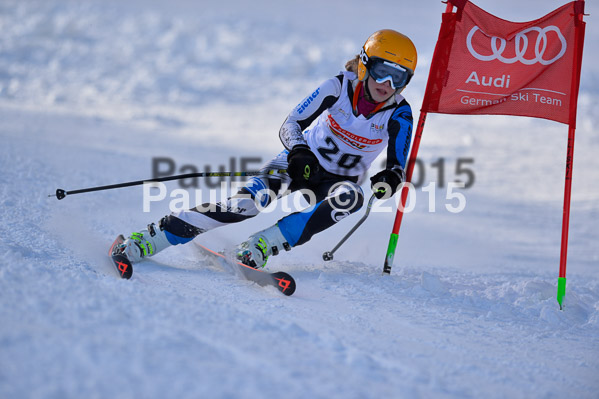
122	264
280	280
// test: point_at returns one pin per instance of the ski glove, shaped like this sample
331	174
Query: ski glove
386	182
303	167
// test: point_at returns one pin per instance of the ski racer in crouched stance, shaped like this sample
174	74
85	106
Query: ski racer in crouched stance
357	113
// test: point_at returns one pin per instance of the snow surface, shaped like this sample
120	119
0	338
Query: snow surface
91	91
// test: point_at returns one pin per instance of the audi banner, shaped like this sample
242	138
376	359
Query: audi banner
486	65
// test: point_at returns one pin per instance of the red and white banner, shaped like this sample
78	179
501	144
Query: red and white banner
486	65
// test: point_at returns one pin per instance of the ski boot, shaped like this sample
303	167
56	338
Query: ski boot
147	242
259	246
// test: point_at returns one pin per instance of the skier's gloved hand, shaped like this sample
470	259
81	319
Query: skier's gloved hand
384	184
303	166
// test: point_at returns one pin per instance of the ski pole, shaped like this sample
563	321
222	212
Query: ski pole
329	254
60	193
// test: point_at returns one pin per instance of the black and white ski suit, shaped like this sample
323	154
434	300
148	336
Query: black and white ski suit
345	144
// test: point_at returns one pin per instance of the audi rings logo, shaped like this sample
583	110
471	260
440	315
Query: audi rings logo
498	46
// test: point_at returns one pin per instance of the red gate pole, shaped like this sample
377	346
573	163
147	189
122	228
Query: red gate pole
561	281
405	189
579	44
404	196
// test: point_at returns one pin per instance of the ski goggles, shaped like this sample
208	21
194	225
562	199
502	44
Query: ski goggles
382	71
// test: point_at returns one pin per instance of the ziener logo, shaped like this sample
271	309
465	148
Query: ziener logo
521	45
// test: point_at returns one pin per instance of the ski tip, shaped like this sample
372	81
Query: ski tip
285	283
280	280
122	264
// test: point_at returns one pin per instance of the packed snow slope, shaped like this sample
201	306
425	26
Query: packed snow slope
91	92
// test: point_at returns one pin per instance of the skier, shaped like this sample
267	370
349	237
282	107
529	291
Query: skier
358	113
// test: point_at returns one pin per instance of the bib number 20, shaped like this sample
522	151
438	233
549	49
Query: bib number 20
332	154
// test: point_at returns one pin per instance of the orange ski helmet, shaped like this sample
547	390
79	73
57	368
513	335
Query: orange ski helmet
388	55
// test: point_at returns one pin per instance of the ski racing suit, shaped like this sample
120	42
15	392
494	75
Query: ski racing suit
345	144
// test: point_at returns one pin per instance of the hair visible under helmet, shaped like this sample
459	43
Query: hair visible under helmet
388	55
